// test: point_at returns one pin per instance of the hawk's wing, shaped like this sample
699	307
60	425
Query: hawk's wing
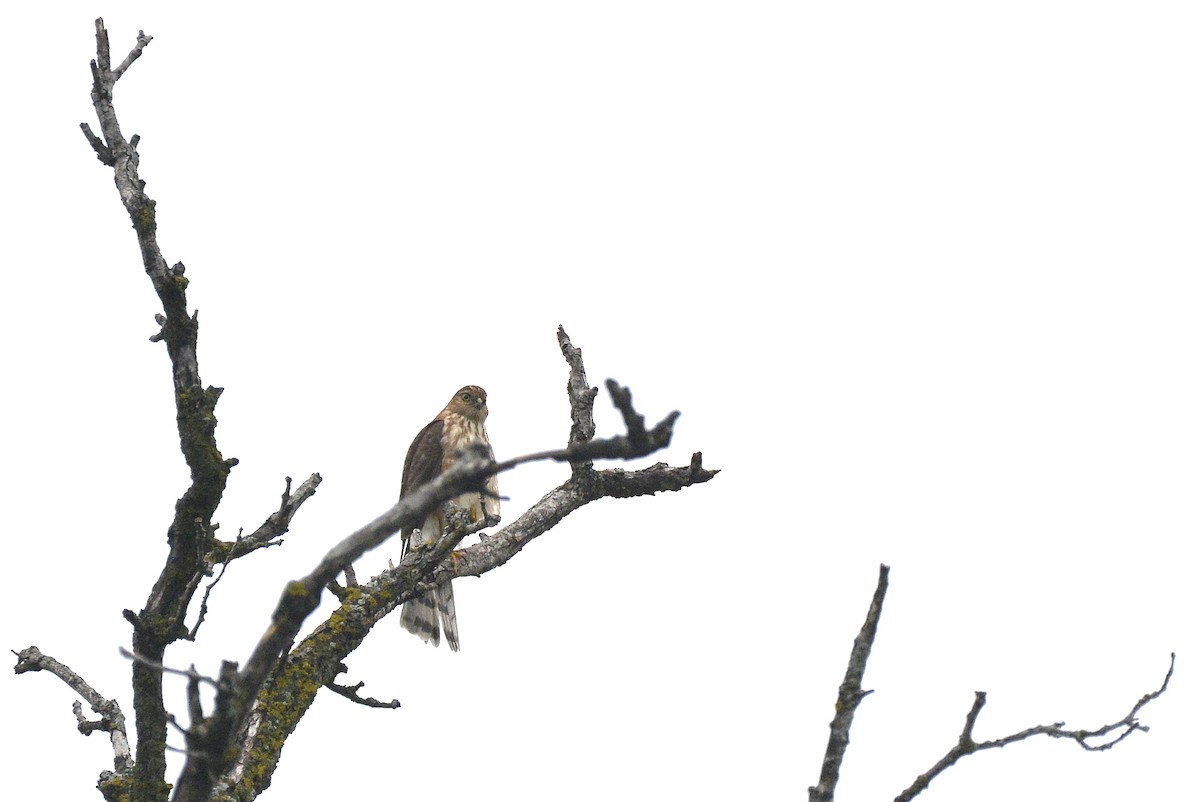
423	462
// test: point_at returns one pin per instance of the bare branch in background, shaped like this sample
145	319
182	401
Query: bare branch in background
851	692
967	745
849	695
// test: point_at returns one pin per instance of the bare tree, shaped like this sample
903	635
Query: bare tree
232	749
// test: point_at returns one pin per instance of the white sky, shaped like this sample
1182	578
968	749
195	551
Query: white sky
921	278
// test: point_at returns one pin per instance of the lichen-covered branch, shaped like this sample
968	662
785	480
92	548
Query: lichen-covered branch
112	720
190	534
849	695
213	742
1094	740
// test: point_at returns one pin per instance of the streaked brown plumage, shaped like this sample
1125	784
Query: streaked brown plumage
432	452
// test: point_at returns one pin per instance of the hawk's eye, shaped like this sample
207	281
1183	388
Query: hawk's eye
465	396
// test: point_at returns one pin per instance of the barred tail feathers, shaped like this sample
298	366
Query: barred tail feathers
419	616
444	598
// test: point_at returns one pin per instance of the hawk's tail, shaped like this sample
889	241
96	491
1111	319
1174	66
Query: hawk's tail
420	615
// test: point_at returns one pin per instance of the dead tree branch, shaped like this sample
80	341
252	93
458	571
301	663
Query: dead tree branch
967	745
274	527
112	720
582	396
849	695
190	535
351	693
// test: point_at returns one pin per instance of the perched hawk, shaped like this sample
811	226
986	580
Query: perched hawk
433	451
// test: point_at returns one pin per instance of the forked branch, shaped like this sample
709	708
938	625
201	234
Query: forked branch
1094	740
112	720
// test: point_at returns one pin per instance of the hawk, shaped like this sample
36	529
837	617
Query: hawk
432	452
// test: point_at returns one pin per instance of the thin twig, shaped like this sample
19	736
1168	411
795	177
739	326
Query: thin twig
190	673
351	693
269	533
208	589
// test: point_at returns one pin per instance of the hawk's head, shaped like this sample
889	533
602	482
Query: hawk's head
470	402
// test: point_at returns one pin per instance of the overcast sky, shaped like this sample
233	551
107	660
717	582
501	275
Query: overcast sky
921	277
